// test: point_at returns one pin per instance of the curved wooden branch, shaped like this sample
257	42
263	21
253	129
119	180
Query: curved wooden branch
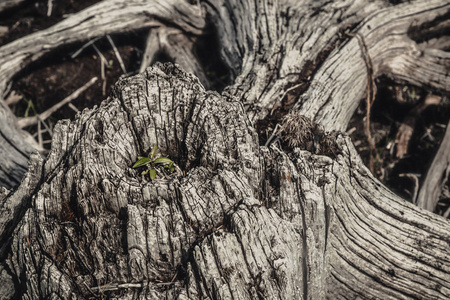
243	221
436	176
6	4
339	84
106	17
271	57
14	149
271	52
109	16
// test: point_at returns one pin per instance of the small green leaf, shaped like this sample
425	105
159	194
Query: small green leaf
142	161
162	160
152	174
30	106
153	152
145	172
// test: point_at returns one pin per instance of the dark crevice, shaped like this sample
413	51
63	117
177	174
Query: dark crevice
271	186
302	84
327	216
429	30
162	57
305	272
234	61
395	107
207	50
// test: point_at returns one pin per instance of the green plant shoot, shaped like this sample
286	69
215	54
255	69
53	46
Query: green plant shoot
153	164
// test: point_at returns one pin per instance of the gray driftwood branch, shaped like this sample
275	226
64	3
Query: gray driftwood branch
243	221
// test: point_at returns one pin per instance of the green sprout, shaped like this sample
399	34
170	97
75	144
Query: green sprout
153	163
110	64
29	107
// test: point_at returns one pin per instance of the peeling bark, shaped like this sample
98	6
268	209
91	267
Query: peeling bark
243	221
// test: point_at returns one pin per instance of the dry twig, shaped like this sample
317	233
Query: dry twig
49	7
370	96
84	47
39	134
73	107
436	176
28	121
415	179
13	98
116	52
103	63
115	286
406	129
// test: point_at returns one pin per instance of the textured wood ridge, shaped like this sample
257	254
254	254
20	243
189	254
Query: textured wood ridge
109	16
284	52
241	220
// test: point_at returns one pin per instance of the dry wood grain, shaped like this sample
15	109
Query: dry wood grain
244	221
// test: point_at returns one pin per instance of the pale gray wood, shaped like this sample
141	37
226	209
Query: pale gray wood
386	34
272	51
109	16
12	208
105	17
243	221
267	57
6	4
437	175
14	149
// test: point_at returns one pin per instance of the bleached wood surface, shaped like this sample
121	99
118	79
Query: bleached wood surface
109	16
6	4
436	176
244	221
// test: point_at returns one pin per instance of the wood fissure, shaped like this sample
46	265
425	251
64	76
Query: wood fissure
240	220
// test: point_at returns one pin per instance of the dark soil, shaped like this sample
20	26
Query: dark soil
58	75
55	77
387	114
31	16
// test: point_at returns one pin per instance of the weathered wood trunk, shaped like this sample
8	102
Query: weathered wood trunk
242	221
